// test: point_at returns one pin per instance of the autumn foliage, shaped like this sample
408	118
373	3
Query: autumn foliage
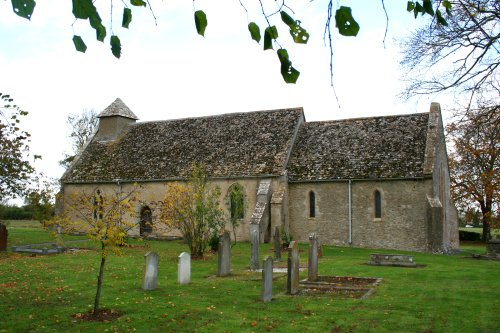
193	208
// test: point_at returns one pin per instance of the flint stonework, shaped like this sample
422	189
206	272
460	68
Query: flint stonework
224	255
267	279
150	280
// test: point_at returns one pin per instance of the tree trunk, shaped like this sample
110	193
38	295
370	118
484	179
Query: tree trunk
486	225
99	282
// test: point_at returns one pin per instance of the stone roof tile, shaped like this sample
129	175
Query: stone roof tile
117	108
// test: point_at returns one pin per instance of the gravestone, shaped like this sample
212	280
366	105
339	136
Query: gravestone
493	248
3	237
184	268
401	260
277	244
267	279
255	239
150	280
293	268
224	255
312	265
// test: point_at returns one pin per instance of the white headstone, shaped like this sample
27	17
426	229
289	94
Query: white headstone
150	280
184	268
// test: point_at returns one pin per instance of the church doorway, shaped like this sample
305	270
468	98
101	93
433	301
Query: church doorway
146	224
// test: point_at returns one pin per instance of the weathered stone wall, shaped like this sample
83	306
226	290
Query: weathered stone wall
153	192
403	224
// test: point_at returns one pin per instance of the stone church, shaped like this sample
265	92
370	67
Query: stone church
377	182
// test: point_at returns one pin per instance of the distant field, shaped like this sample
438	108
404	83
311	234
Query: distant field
22	223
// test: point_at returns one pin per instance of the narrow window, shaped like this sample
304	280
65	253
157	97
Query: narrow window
146	225
378	204
236	202
312	204
98	208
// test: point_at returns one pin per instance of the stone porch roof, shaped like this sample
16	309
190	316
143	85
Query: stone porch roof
363	148
230	145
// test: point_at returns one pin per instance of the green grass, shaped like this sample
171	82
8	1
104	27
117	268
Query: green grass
40	294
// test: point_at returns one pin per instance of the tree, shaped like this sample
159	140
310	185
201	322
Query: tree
194	209
461	55
271	11
475	164
40	200
82	127
15	170
101	217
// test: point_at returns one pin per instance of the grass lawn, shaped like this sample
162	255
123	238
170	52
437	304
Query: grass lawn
41	293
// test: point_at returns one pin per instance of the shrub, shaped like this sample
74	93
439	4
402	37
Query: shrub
469	235
213	242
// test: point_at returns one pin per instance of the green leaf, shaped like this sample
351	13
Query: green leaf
287	19
418	9
344	21
410	6
100	30
127	17
138	3
447	4
440	18
299	34
269	34
116	46
84	9
24	8
254	31
428	7
200	19
289	74
79	44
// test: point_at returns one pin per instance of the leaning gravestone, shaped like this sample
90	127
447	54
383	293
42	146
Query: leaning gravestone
184	268
150	280
255	239
267	279
3	237
312	270
224	255
293	268
277	244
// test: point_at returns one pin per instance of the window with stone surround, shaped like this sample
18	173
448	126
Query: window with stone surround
312	204
377	198
146	224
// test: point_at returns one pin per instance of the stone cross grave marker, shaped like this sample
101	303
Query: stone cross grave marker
255	239
3	237
224	255
267	279
184	268
293	268
150	280
312	265
277	244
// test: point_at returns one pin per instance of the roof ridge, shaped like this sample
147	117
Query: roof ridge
367	118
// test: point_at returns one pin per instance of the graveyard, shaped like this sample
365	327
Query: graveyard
46	292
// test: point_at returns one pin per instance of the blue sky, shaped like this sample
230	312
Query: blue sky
168	71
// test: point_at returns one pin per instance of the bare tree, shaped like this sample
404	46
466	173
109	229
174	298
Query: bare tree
462	55
475	163
82	127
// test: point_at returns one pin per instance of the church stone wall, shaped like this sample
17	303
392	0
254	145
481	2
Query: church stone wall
151	193
403	223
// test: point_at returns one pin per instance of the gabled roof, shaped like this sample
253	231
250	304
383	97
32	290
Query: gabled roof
363	148
117	108
230	145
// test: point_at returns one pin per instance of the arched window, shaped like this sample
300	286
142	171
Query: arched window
146	225
98	206
236	202
377	197
312	204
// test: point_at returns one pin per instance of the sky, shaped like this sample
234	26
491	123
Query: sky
168	71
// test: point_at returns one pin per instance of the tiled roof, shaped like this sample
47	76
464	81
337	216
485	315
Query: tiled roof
117	108
238	144
364	148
